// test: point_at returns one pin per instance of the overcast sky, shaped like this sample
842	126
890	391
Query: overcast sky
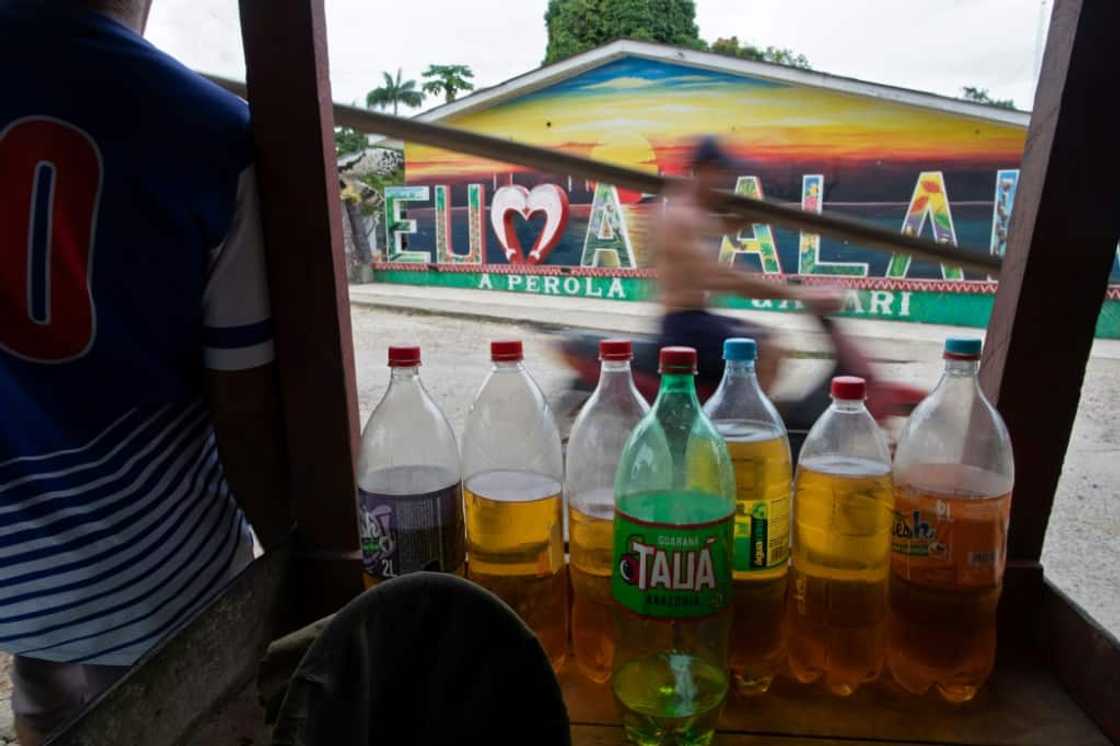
935	47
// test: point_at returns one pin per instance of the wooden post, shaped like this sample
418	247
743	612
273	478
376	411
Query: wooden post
1062	243
293	126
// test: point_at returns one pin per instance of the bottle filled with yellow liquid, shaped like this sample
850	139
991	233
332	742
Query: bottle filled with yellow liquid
760	455
593	626
410	506
594	446
953	475
671	579
843	515
513	487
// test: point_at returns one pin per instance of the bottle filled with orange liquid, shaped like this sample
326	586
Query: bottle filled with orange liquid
953	475
513	473
842	520
410	504
759	447
594	447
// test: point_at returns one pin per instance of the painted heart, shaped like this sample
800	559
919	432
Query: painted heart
511	202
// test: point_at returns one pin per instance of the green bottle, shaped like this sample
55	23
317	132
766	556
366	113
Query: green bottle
673	532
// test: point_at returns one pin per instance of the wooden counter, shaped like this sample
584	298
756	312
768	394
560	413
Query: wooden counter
1022	704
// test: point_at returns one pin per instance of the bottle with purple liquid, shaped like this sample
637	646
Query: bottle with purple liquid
410	505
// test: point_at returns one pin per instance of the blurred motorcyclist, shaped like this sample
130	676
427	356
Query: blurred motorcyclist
688	271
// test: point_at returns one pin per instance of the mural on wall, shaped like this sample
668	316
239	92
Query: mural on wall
931	201
809	263
513	202
758	239
1007	182
918	170
607	242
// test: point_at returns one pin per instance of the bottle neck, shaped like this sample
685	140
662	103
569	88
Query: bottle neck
405	387
739	377
507	366
848	405
404	375
959	380
677	389
962	368
614	375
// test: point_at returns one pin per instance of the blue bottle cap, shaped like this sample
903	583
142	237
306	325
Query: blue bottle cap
740	348
962	348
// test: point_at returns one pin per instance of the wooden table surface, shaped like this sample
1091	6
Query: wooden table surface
1022	704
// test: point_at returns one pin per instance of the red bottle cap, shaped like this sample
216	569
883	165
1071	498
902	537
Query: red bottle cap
616	349
506	350
405	356
849	388
677	360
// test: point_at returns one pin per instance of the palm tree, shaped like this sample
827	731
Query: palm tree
448	80
394	93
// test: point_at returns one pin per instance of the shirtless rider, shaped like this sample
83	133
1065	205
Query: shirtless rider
688	271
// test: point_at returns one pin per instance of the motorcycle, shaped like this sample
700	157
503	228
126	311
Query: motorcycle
580	352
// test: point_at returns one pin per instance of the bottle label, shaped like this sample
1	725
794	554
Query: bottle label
762	503
671	571
405	533
761	534
938	541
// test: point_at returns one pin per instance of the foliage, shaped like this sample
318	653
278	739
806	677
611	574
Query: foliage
378	183
447	80
348	141
575	26
732	48
980	96
394	92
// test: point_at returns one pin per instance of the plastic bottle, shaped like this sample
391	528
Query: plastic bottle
513	472
953	475
756	439
410	503
842	512
673	528
594	447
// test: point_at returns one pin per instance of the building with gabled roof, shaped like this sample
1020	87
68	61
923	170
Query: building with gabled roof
914	162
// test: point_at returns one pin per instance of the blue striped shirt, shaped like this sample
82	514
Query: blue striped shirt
130	263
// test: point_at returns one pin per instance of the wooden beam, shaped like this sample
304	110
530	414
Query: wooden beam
293	127
189	676
145	13
1084	656
1061	246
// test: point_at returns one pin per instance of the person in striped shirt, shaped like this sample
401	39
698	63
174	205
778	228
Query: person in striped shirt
137	418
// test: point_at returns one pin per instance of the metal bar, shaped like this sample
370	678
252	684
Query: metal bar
551	161
1060	251
290	104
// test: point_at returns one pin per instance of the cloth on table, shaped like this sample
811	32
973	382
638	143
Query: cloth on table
427	658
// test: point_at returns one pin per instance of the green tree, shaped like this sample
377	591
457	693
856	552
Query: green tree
394	92
348	141
447	80
575	26
731	47
980	96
